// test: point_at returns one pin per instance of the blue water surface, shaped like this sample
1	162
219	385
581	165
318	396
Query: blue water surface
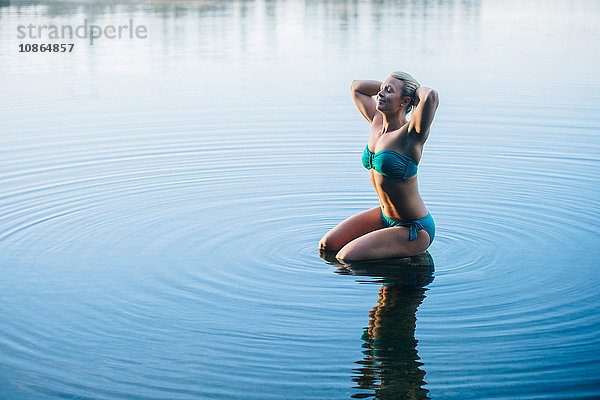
162	200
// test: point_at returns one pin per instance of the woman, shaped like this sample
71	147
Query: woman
400	226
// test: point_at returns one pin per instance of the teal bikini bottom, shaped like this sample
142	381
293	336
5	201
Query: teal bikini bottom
426	223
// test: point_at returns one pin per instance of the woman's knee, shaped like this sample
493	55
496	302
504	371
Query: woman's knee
350	252
342	256
330	243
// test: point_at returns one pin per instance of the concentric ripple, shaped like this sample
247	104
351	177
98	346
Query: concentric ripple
162	202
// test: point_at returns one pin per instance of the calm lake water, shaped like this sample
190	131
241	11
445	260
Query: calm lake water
162	199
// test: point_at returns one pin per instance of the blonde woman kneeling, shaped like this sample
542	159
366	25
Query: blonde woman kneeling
400	226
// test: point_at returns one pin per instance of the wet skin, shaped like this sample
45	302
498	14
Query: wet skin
362	236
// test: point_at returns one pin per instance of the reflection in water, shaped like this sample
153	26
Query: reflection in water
162	199
390	368
197	34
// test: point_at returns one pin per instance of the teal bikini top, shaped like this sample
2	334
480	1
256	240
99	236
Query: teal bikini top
389	163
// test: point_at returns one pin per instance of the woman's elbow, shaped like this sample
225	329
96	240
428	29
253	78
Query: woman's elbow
432	97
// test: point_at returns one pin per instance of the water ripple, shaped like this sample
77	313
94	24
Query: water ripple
160	240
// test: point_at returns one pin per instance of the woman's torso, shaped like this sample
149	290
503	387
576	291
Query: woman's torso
399	198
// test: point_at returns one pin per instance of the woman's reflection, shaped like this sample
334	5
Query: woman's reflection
390	368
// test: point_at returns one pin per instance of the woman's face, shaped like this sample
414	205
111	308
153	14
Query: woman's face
389	98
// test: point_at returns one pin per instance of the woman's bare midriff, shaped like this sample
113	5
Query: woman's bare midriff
399	198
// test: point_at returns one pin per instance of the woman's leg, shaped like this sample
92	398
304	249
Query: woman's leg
352	228
390	242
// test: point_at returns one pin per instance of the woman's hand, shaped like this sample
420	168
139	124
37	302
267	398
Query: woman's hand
416	102
421	93
368	88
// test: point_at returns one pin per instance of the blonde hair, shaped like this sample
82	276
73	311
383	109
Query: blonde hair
410	87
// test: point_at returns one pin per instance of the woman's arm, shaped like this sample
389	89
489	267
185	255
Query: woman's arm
426	103
363	92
